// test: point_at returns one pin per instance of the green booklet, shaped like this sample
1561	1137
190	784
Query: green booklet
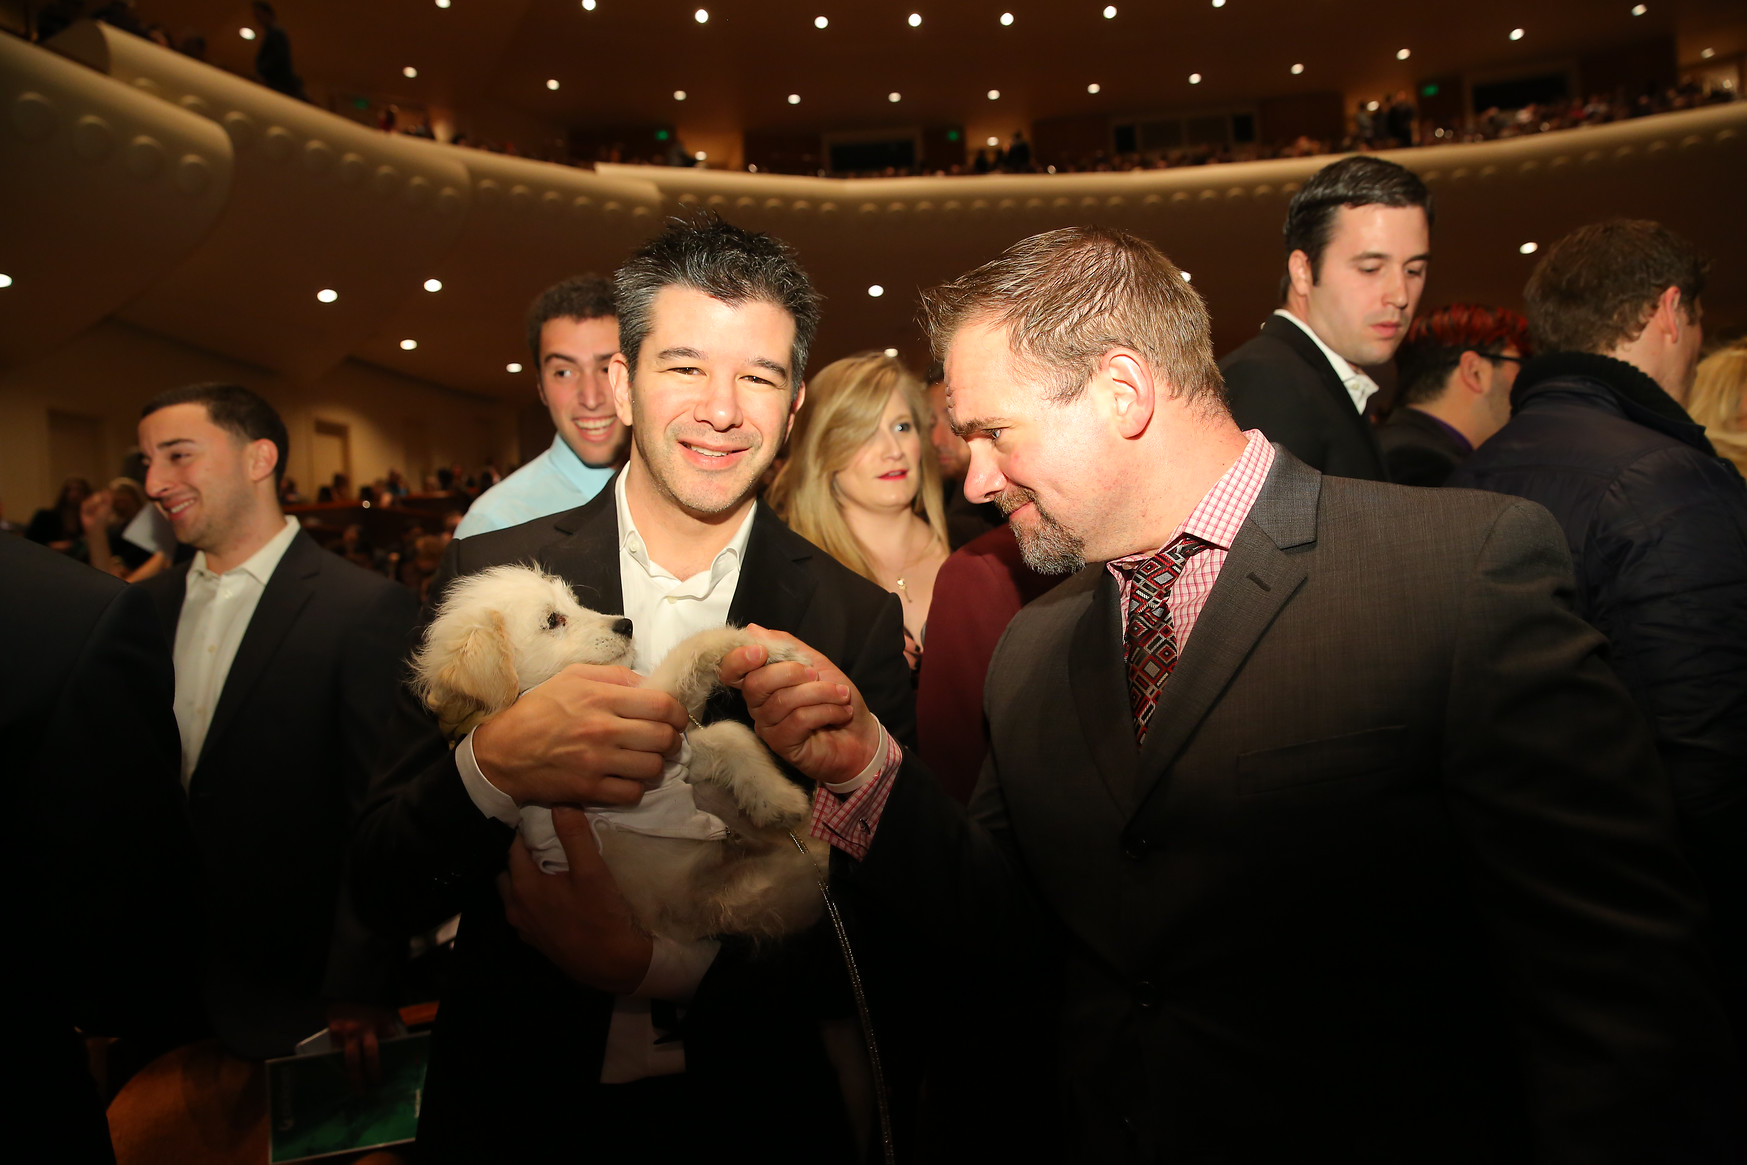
313	1112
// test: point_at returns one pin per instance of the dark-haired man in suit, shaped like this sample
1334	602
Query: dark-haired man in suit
1315	810
563	1020
287	658
1358	237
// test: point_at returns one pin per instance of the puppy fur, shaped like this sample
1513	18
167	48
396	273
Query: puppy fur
504	630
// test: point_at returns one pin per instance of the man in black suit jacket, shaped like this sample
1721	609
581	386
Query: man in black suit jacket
287	659
104	942
1456	371
1357	242
564	1030
1341	840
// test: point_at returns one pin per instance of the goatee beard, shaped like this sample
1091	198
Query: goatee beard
1047	546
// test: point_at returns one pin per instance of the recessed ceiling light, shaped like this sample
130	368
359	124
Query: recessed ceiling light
1403	54
876	291
552	83
1639	10
327	295
1707	54
512	366
1371	106
701	156
1187	278
915	20
794	98
1194	78
1529	248
892	352
679	94
821	22
1093	87
993	140
1110	12
894	96
1297	69
433	285
1006	18
5	281
246	33
409	72
409	345
1219	3
702	16
442	3
587	6
1516	34
994	95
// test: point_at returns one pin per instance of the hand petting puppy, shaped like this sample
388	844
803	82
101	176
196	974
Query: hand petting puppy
588	736
811	716
576	918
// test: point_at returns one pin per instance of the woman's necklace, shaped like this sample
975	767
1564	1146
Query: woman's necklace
898	575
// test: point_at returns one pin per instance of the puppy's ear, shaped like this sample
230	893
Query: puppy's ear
478	678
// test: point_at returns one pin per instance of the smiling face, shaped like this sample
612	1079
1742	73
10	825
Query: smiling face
574	386
206	479
1046	465
711	400
1373	271
886	471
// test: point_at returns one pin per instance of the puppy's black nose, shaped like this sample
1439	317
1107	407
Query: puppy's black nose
622	627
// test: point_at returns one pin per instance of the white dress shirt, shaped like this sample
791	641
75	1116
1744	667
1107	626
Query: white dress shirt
216	609
663	611
1358	385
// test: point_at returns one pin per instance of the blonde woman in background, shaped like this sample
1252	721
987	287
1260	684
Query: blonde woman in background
862	483
1719	401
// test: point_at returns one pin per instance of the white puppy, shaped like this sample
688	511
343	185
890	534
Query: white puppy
709	850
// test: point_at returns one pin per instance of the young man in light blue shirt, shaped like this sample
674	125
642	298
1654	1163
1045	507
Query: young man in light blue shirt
573	333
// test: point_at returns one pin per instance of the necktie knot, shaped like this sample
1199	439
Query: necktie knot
1152	642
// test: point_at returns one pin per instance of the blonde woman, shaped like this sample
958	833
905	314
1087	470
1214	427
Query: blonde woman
862	483
1719	401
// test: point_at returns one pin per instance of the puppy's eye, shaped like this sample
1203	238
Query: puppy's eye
555	620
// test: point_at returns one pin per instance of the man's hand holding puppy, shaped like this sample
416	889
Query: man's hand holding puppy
588	736
811	716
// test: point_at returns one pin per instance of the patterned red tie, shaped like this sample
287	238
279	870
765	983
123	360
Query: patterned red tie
1152	644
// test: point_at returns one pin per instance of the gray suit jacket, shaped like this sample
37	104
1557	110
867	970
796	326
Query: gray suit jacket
1393	878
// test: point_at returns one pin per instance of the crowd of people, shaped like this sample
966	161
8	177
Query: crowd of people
1191	786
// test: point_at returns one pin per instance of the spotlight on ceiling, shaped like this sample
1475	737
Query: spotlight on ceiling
679	94
433	285
442	3
1403	54
915	20
1516	34
794	98
409	72
1194	78
1110	12
409	345
702	16
821	22
5	281
552	83
512	366
327	295
1297	69
701	156
993	140
587	6
1219	3
894	97
1528	248
876	291
1639	10
994	95
1707	54
1006	19
892	352
1093	87
246	33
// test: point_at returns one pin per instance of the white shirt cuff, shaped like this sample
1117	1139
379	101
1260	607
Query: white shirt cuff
844	788
676	969
487	797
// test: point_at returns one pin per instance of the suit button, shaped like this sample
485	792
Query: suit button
1134	849
1145	996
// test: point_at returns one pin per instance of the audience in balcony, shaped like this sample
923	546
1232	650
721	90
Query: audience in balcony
273	58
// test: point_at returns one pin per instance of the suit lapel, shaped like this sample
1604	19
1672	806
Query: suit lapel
1260	575
588	556
1293	337
1098	675
772	591
282	600
168	596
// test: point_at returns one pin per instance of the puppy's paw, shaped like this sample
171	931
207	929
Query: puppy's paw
728	755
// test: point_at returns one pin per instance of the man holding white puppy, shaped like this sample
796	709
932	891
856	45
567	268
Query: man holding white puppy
564	1026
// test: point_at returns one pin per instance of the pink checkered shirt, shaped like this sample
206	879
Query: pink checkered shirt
848	820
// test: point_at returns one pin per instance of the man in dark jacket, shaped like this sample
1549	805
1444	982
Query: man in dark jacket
1455	373
1657	522
1357	243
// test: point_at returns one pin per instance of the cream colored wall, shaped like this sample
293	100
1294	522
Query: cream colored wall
110	371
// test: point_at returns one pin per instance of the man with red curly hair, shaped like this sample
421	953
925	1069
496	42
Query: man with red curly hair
1456	370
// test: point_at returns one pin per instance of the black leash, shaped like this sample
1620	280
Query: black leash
867	1031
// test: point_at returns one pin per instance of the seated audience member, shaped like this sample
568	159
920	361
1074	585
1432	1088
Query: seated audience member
1719	401
1455	372
1311	805
106	940
976	594
565	1032
573	332
1655	520
105	516
287	659
58	526
1358	236
965	520
860	484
